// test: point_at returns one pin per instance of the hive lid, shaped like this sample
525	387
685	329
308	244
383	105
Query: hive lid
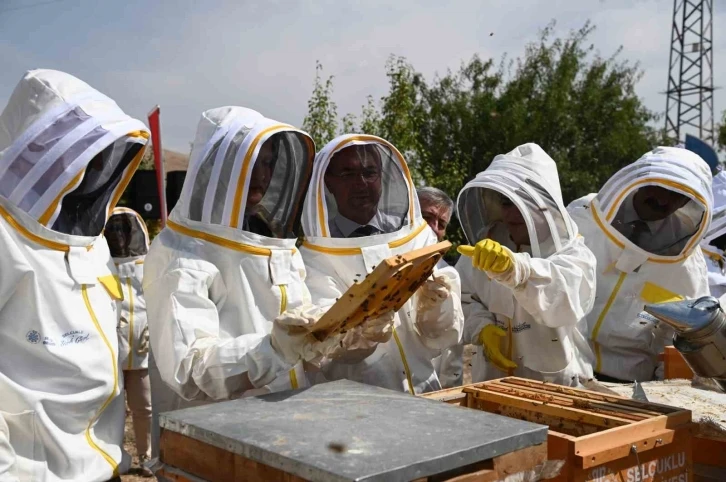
347	431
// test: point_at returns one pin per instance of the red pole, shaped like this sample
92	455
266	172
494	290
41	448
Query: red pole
158	161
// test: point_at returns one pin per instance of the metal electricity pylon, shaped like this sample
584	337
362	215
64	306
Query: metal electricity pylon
689	103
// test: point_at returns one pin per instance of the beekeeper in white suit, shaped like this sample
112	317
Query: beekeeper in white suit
527	278
644	227
360	209
128	241
67	153
714	244
226	266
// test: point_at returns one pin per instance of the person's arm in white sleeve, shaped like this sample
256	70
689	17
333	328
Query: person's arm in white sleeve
476	313
556	291
439	318
192	357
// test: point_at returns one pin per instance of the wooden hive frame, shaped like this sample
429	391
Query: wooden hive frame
387	288
589	430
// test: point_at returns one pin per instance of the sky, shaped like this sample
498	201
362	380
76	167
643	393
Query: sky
189	56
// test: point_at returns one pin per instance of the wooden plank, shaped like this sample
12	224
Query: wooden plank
173	475
450	395
709	451
482	471
484	475
672	462
247	470
498	468
212	463
194	457
569	401
387	288
623	448
675	365
636	431
584	416
520	460
661	409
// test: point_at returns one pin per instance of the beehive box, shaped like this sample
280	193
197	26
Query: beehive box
708	450
345	431
386	288
599	437
675	365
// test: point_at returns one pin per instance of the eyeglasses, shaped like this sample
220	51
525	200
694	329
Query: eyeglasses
368	175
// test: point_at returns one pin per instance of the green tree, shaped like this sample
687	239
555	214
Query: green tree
147	161
579	106
321	121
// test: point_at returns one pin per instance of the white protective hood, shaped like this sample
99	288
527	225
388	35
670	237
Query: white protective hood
528	177
51	129
675	169
226	147
333	264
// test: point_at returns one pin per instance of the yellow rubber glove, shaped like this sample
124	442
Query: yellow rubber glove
488	255
489	339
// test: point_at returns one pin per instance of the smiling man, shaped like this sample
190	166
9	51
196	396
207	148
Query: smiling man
436	209
354	179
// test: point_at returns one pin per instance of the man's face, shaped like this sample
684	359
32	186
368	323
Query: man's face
262	173
514	221
437	217
354	179
118	232
653	203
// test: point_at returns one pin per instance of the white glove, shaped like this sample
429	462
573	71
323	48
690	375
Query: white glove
292	339
433	292
431	295
360	342
143	346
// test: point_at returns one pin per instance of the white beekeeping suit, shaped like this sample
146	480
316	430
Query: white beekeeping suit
643	261
226	264
128	241
338	251
533	308
66	154
128	251
715	241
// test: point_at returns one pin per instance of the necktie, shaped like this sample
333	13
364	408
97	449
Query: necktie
362	231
